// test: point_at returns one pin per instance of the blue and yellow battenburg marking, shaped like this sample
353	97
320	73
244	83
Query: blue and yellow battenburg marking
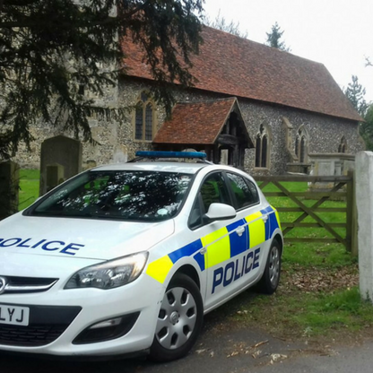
220	245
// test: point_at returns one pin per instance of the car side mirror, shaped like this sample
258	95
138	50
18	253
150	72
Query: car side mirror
219	211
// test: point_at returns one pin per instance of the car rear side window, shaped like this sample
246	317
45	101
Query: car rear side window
245	191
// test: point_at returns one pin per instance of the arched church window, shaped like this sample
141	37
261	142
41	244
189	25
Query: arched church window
342	148
301	145
262	147
144	118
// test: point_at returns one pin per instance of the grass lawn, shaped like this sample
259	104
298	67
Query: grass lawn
318	293
29	187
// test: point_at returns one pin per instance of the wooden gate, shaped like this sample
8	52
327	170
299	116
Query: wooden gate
309	206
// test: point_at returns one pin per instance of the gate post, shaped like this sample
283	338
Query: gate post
364	191
351	218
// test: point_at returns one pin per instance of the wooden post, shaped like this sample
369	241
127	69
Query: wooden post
354	227
351	218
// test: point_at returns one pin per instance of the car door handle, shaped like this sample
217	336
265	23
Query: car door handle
240	230
265	218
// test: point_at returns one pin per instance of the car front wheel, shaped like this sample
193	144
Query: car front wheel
179	321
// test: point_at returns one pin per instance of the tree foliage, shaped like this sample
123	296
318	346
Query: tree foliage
355	92
52	51
274	38
220	23
366	128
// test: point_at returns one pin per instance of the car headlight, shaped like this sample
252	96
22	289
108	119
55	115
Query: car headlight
109	275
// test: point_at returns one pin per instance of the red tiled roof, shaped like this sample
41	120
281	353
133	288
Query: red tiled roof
190	121
239	67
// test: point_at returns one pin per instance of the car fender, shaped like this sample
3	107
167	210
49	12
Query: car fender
183	263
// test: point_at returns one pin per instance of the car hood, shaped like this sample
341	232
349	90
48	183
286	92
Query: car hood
79	238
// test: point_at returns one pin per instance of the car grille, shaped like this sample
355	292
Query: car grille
32	336
17	284
46	324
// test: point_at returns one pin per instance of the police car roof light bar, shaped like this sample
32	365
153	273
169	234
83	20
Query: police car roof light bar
167	154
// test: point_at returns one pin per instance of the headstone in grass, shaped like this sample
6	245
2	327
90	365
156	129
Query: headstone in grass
329	164
54	176
61	158
9	187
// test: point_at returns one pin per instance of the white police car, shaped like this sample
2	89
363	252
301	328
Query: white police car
127	258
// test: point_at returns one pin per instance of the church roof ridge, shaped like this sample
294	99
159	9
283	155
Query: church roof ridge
238	67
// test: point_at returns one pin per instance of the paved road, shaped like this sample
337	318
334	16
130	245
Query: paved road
221	349
343	360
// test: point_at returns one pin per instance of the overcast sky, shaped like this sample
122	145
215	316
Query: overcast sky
337	33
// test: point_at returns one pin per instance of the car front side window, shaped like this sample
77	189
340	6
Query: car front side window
245	191
214	190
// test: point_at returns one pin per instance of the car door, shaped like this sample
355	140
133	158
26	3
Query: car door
220	239
250	209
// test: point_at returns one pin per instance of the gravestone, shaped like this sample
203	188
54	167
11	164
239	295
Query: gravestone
9	187
120	154
54	176
61	158
329	164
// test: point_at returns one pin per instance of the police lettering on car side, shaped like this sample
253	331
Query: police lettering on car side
126	259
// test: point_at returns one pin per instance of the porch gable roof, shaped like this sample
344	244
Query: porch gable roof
197	122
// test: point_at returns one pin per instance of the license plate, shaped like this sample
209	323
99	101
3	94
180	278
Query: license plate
14	315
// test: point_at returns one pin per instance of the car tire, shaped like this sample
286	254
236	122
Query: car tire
271	276
179	321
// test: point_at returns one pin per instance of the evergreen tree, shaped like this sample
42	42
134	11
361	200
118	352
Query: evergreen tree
366	128
273	38
355	92
220	23
52	51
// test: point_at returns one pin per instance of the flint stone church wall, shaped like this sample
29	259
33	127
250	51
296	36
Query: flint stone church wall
117	144
325	132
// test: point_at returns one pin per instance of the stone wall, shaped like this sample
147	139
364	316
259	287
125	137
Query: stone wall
117	142
104	132
325	133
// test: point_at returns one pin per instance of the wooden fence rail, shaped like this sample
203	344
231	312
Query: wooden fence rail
339	188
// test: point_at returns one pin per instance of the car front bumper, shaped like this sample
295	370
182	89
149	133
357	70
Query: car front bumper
58	317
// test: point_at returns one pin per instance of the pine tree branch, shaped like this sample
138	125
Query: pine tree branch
49	48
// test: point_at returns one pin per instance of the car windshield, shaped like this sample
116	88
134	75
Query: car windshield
126	195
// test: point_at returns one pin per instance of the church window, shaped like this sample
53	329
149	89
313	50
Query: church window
342	148
262	148
301	144
144	118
